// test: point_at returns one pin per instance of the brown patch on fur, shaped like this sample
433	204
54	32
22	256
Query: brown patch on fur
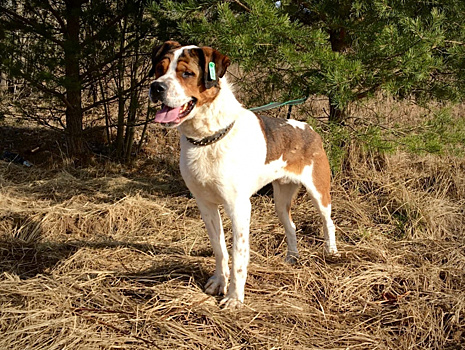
206	55
299	148
322	177
192	73
162	66
162	54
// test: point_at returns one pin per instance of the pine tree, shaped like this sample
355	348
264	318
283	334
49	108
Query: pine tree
65	50
345	50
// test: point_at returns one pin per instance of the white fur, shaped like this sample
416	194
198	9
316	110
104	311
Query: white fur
297	124
227	173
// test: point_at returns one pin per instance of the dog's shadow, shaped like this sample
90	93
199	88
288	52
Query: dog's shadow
27	260
174	270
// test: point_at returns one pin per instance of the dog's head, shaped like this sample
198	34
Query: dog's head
186	77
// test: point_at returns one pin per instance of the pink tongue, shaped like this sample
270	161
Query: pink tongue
167	114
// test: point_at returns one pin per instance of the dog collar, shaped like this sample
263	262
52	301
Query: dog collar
211	139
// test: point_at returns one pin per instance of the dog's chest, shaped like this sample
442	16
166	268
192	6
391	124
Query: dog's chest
233	165
203	167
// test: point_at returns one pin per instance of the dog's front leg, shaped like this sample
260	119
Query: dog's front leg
239	212
218	283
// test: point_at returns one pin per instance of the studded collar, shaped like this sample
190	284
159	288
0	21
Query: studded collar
213	138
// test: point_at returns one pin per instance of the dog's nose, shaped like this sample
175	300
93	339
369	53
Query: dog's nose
157	90
158	87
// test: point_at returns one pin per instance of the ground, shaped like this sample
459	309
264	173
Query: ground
109	256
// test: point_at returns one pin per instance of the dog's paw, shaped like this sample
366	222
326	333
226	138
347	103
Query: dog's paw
230	303
216	285
332	250
291	258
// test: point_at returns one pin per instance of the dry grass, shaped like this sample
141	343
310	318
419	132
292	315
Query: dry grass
108	257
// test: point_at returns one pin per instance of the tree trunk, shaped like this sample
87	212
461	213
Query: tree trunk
73	81
338	40
120	92
336	115
134	96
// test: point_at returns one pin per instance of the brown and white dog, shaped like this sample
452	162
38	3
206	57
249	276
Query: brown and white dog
228	153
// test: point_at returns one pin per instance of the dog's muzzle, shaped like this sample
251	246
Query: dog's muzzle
157	91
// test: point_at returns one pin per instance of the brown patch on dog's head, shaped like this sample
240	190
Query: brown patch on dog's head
193	74
161	59
205	56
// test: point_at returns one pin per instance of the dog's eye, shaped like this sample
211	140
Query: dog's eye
187	74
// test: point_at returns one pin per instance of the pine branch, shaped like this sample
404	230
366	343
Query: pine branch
57	16
28	25
113	98
242	5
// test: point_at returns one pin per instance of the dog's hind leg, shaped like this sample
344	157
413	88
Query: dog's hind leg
218	283
283	194
316	179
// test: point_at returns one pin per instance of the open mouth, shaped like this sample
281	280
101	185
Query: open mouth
174	115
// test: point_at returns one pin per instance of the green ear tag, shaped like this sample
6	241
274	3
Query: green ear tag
212	70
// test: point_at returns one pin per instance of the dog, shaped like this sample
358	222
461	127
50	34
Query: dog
228	153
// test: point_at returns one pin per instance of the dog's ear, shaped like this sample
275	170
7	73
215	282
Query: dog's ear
213	64
158	52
